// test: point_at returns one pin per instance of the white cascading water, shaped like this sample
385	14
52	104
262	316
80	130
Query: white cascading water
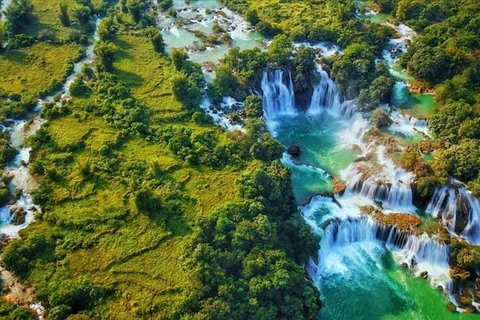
418	252
446	203
407	124
391	185
326	97
278	94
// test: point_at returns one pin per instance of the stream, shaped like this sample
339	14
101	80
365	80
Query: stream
20	182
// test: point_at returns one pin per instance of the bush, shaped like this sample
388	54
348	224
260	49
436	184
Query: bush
187	92
19	14
63	14
164	5
380	118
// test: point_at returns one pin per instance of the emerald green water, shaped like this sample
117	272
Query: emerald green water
422	105
318	139
359	280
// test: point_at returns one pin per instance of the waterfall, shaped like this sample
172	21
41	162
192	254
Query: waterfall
418	252
391	185
407	124
278	94
326	97
459	211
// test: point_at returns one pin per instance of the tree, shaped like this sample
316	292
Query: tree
267	148
253	106
3	32
19	14
63	14
135	7
157	42
164	5
178	57
380	118
304	64
447	122
82	14
187	92
354	70
78	88
106	29
280	49
225	83
105	52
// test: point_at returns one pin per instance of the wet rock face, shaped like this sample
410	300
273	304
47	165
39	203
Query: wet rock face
461	217
339	187
457	273
294	150
18	214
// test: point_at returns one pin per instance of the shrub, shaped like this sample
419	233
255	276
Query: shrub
380	118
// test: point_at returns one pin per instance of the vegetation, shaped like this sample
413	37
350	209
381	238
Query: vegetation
380	118
19	14
130	174
452	67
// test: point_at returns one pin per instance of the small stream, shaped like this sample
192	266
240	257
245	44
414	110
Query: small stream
20	182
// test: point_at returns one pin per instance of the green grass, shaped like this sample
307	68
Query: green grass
29	70
148	74
46	14
103	236
286	15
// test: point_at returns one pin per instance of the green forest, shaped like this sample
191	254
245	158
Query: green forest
145	208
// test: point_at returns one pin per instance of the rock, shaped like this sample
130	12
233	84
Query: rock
24	163
462	214
18	216
33	208
356	148
294	150
17	194
405	265
439	288
424	275
464	300
477	294
470	309
457	273
451	307
338	186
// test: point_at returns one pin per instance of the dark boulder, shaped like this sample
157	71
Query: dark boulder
294	150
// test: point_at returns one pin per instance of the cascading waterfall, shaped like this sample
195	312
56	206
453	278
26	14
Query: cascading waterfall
419	252
278	94
392	185
459	210
407	124
326	97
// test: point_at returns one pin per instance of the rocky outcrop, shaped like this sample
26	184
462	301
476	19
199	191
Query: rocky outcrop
18	215
457	273
403	221
294	150
338	186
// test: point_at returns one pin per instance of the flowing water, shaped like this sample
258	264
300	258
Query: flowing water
359	271
17	171
365	270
